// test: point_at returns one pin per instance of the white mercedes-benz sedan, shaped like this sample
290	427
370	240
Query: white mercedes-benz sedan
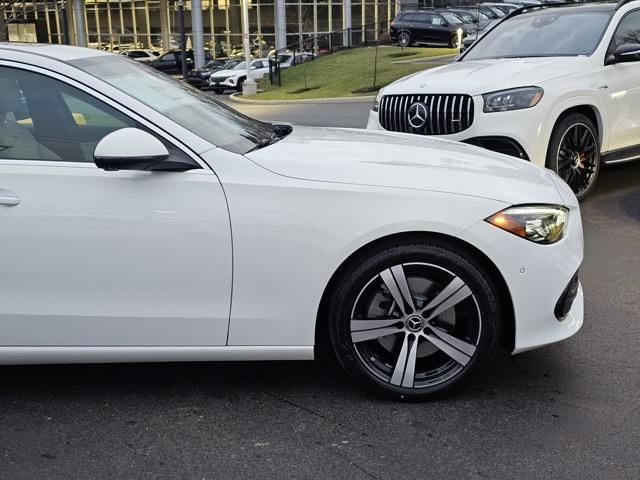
142	220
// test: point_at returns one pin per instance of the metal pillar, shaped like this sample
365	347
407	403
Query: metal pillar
165	33
249	86
64	24
81	26
197	33
281	25
183	39
346	22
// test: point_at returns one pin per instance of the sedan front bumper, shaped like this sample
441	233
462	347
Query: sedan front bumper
536	277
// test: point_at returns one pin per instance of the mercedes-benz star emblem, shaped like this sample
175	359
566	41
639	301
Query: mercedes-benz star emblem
414	323
417	115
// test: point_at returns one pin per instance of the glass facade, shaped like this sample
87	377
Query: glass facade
116	25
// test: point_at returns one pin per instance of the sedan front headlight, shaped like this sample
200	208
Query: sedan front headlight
543	224
512	99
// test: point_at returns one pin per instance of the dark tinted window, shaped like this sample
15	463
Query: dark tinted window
44	119
628	31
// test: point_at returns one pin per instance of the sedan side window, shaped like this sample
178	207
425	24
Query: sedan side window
44	119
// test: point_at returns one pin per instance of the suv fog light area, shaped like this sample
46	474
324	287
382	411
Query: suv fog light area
542	224
565	302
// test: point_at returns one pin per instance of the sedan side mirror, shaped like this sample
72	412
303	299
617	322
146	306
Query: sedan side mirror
627	52
135	149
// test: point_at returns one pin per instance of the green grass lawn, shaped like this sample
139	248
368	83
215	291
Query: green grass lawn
347	73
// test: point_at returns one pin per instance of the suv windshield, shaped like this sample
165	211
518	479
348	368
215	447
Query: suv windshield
213	121
543	34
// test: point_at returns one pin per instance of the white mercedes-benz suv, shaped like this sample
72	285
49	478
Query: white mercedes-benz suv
556	85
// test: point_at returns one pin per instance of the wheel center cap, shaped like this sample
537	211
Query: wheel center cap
414	323
577	160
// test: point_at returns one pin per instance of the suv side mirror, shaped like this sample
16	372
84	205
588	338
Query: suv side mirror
627	52
135	149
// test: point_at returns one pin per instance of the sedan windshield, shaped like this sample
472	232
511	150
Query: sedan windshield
213	121
543	34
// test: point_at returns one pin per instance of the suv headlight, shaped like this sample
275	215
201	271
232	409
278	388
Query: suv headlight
543	224
376	103
512	99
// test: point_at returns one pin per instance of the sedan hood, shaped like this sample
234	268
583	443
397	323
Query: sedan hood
475	77
406	161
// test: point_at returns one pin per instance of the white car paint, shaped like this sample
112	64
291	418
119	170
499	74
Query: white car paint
612	91
230	262
258	68
141	55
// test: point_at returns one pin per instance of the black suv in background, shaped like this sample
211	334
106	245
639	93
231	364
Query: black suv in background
428	27
171	62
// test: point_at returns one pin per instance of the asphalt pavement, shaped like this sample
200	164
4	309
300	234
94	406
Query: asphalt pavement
569	411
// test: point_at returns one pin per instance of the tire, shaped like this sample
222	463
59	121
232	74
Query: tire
454	41
574	153
218	91
404	39
240	83
436	274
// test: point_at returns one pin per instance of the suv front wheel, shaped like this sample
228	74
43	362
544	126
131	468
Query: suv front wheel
404	39
574	153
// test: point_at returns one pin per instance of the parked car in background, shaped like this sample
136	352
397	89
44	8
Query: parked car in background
171	62
169	227
141	55
473	37
199	77
232	76
428	27
555	85
287	60
474	18
490	12
506	8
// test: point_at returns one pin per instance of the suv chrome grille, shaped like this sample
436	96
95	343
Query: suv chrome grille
443	114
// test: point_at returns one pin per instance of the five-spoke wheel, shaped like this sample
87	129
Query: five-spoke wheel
421	318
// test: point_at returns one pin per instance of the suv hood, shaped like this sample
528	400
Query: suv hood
475	77
224	73
400	160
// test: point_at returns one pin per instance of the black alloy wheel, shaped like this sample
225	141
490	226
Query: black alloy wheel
574	153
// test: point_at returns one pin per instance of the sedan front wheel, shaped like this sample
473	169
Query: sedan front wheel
414	320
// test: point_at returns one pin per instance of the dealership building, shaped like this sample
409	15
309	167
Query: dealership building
115	25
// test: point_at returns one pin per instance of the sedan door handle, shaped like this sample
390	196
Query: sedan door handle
8	199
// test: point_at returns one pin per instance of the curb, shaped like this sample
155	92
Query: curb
237	98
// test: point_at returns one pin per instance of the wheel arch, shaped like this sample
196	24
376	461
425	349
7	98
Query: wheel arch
590	111
507	337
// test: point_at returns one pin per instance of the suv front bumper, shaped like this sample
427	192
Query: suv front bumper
523	131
